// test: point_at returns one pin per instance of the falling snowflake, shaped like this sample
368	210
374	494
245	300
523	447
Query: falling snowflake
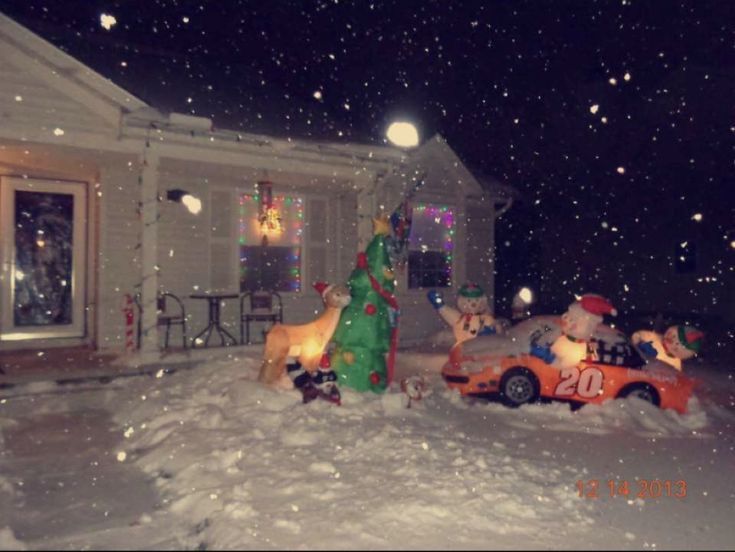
594	108
621	170
107	21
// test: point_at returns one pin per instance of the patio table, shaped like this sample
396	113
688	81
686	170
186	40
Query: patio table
214	299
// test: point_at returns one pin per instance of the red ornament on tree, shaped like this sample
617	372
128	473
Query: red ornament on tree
374	378
370	309
362	260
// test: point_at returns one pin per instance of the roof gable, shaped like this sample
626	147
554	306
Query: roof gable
443	166
43	65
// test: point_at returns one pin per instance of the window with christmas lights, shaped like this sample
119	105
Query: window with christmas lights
270	241
431	247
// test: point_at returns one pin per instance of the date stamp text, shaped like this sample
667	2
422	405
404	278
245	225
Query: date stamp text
645	489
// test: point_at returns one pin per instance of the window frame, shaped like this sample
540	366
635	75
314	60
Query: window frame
303	246
453	209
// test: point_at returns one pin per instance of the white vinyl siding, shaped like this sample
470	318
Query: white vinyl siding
223	240
317	240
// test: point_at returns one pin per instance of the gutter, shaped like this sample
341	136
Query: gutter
507	205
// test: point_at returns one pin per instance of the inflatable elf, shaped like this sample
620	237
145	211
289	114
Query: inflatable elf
677	344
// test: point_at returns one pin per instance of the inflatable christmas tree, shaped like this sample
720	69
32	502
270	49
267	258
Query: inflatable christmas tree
367	327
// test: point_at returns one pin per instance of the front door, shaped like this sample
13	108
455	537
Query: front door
43	233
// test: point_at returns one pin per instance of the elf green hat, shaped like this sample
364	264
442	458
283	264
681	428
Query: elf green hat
690	337
471	290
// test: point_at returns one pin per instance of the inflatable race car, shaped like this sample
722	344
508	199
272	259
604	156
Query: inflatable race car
520	369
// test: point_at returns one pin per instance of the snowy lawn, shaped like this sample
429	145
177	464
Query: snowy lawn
209	458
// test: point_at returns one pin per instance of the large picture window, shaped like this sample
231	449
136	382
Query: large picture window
270	243
431	247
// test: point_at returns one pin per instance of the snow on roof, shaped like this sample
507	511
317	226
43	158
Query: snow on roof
434	154
28	42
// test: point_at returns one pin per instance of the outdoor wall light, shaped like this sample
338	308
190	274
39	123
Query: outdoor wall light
520	306
403	134
177	195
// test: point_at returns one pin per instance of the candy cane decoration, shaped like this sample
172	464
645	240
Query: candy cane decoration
129	322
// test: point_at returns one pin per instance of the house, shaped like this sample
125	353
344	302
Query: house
86	170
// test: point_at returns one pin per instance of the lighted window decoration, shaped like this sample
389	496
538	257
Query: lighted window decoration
269	216
270	242
431	247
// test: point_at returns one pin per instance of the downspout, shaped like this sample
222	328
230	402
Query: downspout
508	204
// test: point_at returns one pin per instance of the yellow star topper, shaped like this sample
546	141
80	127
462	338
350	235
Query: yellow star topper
381	225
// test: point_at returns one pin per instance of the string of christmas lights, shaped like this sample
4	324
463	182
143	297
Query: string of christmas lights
443	215
288	232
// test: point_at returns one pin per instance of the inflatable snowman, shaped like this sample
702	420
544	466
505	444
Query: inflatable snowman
678	343
472	316
560	341
567	343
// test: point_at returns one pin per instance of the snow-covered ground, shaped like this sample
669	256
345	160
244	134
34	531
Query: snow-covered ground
209	458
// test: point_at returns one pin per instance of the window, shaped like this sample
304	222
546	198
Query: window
431	247
270	243
616	354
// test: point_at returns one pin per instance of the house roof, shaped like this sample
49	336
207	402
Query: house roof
26	41
435	161
137	116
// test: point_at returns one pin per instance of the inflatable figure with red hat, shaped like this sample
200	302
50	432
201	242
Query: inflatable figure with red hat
568	343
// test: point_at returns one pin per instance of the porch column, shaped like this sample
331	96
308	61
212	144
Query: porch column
149	251
459	253
366	210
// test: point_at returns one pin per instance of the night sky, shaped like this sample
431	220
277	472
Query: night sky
614	120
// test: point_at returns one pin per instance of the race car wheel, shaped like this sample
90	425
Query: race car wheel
642	391
519	386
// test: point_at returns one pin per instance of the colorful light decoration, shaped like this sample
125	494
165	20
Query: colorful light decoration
269	216
255	229
443	215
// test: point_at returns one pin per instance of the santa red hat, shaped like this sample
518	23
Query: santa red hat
322	288
597	304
